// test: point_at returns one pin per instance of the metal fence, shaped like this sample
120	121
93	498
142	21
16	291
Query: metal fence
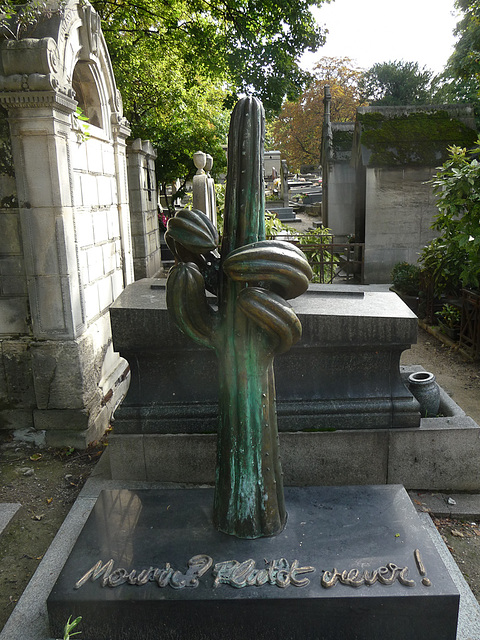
332	261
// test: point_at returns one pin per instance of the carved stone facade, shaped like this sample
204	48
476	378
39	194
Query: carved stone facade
71	236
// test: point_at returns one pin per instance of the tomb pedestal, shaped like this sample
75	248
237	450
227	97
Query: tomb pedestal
344	373
350	559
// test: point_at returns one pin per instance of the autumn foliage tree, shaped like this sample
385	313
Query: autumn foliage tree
298	129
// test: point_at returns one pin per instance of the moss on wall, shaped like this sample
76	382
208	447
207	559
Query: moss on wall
415	139
6	158
342	140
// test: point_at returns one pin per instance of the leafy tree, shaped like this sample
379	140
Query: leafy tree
461	78
453	259
297	131
397	83
180	64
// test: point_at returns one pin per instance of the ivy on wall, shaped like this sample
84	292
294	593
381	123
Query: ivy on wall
415	139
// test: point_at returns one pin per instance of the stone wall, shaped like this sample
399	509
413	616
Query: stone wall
400	208
69	239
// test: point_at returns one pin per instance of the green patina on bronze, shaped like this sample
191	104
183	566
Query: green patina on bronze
413	139
252	279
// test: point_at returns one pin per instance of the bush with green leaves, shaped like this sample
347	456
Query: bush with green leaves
406	278
449	315
322	261
452	260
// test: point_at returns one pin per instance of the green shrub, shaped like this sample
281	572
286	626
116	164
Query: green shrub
406	278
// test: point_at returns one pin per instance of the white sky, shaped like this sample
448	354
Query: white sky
370	31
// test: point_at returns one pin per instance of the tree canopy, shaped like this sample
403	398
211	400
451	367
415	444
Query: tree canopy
180	65
297	131
461	78
397	83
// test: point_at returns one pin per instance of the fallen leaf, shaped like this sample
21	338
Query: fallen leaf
456	533
35	456
49	500
38	517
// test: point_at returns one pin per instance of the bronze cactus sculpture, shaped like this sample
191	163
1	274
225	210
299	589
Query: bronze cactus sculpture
252	278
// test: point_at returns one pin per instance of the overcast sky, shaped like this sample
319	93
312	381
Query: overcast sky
370	31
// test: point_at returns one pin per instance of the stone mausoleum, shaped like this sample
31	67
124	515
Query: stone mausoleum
376	175
69	242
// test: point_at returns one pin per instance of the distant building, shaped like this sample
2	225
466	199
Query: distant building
378	189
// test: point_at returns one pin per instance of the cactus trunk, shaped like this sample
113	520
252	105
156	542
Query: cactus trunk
253	279
249	489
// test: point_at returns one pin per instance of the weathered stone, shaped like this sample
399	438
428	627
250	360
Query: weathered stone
343	374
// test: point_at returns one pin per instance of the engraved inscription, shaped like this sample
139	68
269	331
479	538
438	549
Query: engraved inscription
421	568
354	578
245	574
278	572
197	567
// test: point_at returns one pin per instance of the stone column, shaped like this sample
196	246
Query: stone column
40	131
143	208
120	132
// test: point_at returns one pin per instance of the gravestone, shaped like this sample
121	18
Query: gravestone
151	563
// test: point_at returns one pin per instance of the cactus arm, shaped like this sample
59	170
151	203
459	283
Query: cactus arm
278	266
187	303
273	315
193	230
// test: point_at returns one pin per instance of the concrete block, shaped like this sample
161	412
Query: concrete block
343	374
40	239
77	191
48	312
113	224
95	263
11	265
17	420
89	190
83	266
17	366
92	302
105	293
84	228
100	226
38	175
94	150
109	260
10	240
13	286
117	283
104	186
60	419
13	316
127	457
58	375
180	458
443	454
108	159
79	156
331	458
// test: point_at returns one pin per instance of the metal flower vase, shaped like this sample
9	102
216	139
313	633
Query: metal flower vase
424	388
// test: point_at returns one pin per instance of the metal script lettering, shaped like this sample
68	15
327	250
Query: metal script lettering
197	567
245	574
421	569
354	578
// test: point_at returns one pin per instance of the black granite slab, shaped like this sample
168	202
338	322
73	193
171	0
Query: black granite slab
342	528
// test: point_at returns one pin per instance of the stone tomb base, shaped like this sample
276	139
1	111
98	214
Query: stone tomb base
335	538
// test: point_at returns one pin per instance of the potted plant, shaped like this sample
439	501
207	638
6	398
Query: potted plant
448	319
406	283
